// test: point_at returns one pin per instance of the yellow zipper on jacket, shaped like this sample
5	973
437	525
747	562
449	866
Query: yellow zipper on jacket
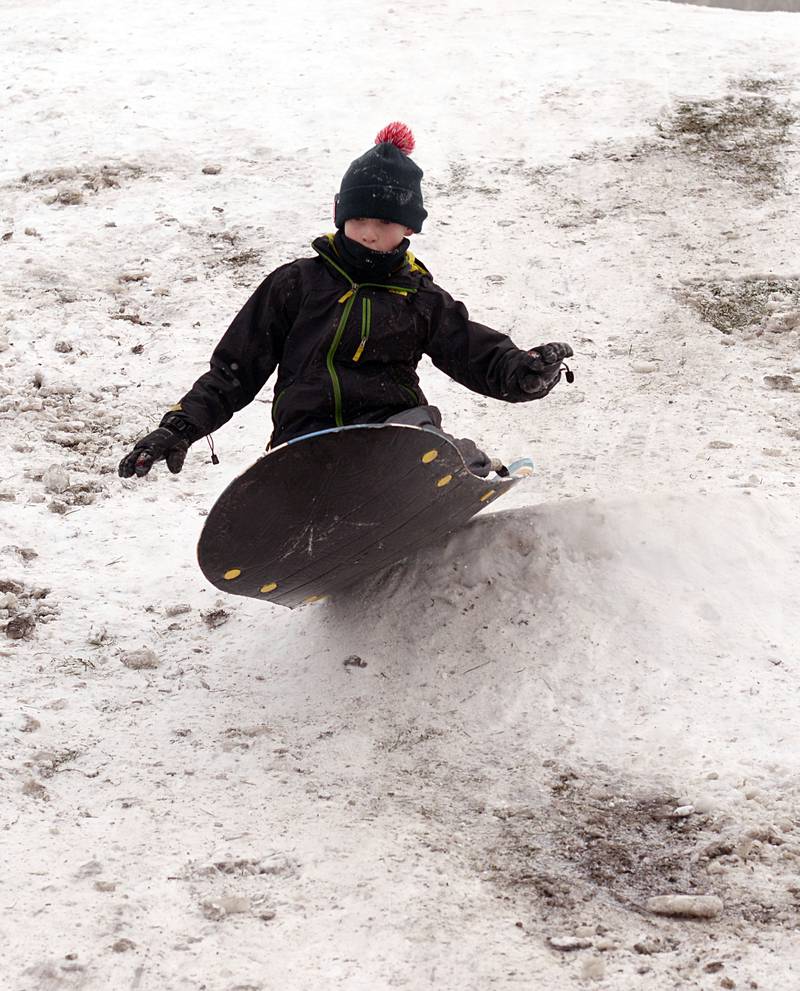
366	321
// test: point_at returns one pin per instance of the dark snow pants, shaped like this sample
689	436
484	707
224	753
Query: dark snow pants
430	418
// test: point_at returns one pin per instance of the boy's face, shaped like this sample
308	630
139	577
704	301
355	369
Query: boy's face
379	235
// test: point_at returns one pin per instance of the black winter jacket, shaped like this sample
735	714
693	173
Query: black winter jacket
347	352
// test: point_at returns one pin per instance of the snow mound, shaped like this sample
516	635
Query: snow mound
634	626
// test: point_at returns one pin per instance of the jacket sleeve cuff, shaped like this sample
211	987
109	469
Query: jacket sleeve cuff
181	425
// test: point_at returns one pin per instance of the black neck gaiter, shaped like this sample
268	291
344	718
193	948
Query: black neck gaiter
364	264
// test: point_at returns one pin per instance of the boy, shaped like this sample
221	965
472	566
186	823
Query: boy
347	328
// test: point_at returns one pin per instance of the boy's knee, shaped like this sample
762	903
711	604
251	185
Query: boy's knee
418	416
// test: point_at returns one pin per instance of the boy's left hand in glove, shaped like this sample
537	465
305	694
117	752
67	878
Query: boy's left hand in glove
168	442
543	368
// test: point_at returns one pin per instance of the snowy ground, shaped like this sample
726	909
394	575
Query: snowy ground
539	696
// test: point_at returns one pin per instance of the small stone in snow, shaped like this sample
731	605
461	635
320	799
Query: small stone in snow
20	627
33	789
784	383
688	906
123	945
593	969
55	479
215	618
90	869
605	944
647	948
177	610
227	905
567	943
139	660
63	347
212	169
212	910
69	197
97	636
354	661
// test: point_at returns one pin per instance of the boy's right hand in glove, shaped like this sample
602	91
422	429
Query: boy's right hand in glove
543	368
169	442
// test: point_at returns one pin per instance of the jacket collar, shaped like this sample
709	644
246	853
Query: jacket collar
408	276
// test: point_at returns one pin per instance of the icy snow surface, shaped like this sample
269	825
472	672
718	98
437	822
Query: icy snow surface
476	772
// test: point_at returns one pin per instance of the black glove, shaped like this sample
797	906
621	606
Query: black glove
170	442
542	370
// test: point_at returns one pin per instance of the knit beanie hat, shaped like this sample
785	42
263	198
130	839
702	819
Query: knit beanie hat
384	182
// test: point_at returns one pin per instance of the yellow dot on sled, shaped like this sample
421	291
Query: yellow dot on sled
269	588
488	495
444	481
233	573
429	456
313	598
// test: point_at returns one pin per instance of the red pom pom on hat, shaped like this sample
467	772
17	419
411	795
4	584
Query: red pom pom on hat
398	134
